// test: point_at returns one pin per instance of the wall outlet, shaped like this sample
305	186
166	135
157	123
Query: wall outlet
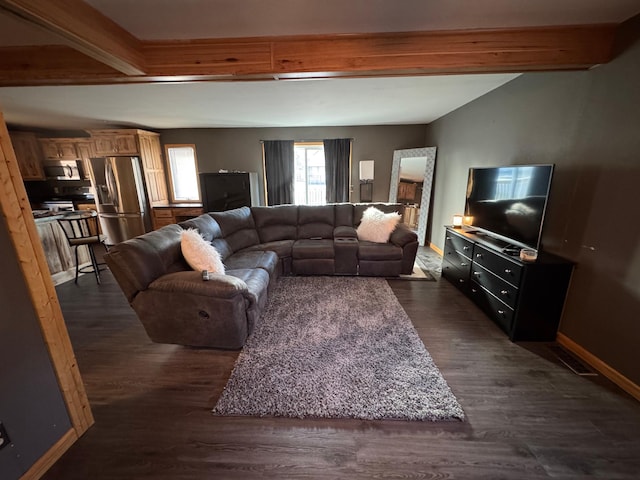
4	438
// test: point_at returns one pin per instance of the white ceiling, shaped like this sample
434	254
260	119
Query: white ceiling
335	102
355	101
171	19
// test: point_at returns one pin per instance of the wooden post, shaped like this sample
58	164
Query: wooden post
16	211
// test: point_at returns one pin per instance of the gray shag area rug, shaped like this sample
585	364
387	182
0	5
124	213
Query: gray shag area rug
337	347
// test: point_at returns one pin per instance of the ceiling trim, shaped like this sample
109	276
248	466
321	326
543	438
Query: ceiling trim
84	29
325	56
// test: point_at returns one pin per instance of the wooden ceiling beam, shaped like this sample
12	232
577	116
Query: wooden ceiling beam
548	48
324	56
51	65
83	28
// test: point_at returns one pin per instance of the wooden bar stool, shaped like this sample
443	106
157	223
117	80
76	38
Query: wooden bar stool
82	228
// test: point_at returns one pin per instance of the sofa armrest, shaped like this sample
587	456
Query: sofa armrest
218	286
403	235
344	232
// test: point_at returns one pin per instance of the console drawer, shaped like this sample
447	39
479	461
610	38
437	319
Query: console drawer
494	308
502	267
459	276
458	243
457	258
495	285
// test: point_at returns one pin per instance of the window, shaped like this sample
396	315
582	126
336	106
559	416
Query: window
309	184
183	173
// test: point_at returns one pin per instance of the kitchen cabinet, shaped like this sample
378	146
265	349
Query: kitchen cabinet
115	142
170	214
144	144
28	154
59	148
70	149
153	166
86	150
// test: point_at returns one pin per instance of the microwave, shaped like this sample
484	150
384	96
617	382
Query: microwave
63	170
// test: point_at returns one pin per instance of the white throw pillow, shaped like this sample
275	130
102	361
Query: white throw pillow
200	254
377	226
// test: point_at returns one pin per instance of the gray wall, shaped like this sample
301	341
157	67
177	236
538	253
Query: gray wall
240	148
31	406
588	125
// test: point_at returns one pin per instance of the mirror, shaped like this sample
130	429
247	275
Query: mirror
411	182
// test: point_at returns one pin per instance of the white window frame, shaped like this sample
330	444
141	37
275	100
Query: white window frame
312	145
170	176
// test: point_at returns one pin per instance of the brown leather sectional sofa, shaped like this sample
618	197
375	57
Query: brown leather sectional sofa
257	245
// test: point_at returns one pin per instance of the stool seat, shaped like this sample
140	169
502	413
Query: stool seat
82	228
87	240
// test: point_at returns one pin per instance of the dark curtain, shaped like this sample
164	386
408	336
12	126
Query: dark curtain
278	168
337	161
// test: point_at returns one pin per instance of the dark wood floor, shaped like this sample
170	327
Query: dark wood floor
527	415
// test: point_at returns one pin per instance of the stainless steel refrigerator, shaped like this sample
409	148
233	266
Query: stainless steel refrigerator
121	197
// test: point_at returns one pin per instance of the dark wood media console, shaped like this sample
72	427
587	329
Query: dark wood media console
524	298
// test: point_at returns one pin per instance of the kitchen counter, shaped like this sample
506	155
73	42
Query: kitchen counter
60	257
180	205
43	216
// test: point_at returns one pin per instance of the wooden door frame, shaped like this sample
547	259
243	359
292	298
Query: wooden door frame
18	216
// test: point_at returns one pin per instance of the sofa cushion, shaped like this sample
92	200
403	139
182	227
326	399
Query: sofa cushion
313	266
182	308
344	214
378	251
139	261
377	226
220	286
258	259
238	227
210	231
316	221
344	232
313	249
205	224
223	248
282	248
275	223
257	281
359	209
379	268
199	253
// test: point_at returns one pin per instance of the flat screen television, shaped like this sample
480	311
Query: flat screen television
509	202
225	191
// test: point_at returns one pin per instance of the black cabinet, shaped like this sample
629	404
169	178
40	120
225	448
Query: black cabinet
524	298
226	191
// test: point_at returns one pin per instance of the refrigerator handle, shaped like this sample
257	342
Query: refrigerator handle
112	185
